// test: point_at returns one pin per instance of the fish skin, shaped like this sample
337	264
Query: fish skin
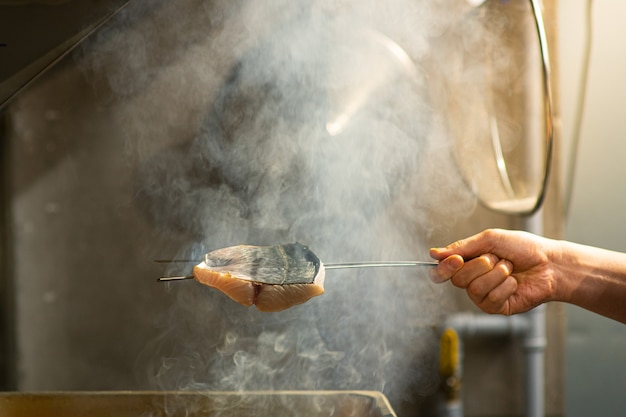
281	264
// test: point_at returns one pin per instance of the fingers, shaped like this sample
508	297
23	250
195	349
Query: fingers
486	279
446	269
492	289
462	272
497	300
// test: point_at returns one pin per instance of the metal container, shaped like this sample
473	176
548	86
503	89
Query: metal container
196	403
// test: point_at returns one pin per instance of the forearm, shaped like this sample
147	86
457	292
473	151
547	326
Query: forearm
591	278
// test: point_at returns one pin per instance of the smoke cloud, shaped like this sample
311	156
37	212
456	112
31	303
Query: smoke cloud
272	122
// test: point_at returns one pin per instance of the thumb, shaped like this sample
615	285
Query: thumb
468	248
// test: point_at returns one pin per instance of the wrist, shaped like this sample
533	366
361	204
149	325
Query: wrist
589	277
566	269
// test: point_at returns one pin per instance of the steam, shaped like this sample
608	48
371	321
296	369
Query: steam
277	122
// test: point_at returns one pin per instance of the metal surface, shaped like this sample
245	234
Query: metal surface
547	100
500	110
198	403
36	34
518	204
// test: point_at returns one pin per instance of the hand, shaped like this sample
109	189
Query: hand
504	272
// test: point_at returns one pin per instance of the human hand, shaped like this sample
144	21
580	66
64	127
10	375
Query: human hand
502	271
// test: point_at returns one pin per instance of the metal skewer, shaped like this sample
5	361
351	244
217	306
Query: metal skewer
175	278
343	265
171	261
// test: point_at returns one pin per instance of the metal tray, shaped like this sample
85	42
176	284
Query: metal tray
196	403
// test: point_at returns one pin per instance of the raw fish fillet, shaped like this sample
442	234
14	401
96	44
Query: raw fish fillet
273	278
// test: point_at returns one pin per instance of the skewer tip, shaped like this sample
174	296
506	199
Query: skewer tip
175	278
171	261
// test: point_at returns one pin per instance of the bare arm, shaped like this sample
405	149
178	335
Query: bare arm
592	278
509	272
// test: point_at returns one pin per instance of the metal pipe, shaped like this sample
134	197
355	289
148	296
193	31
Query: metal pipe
534	347
535	342
470	325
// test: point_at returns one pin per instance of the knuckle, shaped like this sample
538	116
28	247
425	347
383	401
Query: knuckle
490	234
493	299
458	281
491	306
489	260
475	290
488	309
456	246
505	267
